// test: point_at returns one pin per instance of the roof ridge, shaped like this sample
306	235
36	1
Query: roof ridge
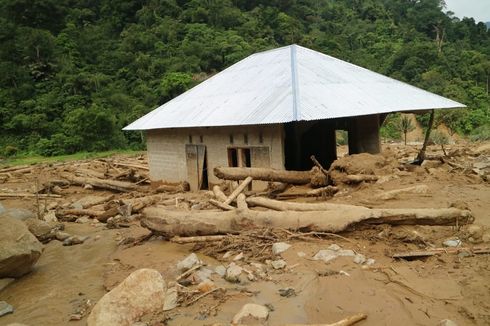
294	83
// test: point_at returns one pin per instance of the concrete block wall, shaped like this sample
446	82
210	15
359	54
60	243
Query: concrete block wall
166	148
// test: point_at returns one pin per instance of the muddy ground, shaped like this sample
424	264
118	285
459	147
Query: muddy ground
68	280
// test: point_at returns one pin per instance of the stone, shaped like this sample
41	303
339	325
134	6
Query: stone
278	264
359	259
220	270
141	293
42	230
238	257
2	209
171	299
447	322
475	231
74	240
334	247
5	308
233	273
206	286
325	255
280	247
61	236
301	254
4	282
83	220
50	217
18	213
370	262
201	275
251	313
452	243
188	262
19	248
287	292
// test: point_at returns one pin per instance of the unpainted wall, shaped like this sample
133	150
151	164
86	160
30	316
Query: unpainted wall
167	156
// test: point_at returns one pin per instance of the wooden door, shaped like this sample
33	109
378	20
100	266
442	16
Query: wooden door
196	165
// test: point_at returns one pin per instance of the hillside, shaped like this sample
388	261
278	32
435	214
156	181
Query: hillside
73	73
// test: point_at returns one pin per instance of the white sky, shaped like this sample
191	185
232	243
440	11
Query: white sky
478	9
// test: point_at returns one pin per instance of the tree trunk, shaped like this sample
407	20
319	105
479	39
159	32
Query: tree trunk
421	156
180	223
113	185
266	174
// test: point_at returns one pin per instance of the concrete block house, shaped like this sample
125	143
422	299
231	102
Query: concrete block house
274	109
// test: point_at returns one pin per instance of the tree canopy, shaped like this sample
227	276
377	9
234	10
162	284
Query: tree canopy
74	72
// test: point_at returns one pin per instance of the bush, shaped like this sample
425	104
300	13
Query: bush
480	133
10	151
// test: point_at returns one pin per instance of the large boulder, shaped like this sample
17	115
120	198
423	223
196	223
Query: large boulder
19	249
141	293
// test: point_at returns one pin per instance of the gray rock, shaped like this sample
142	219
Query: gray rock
251	313
486	237
233	273
74	240
475	231
334	247
5	308
188	262
42	230
141	293
19	248
280	247
171	299
62	236
359	259
370	262
287	292
2	209
452	243
220	270
50	217
326	255
278	264
202	274
18	213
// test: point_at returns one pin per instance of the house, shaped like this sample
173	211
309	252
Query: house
274	109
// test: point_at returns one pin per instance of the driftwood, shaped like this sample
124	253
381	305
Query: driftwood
437	251
343	322
173	188
204	238
358	178
26	194
238	190
221	205
219	194
135	166
293	206
14	168
267	174
419	189
113	185
177	223
327	191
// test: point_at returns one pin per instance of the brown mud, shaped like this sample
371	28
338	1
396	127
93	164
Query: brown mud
416	292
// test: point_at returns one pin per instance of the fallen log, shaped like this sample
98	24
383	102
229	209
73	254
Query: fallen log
219	194
419	189
238	190
221	205
267	174
26	194
178	223
438	251
358	178
113	185
173	188
293	206
204	238
135	166
14	168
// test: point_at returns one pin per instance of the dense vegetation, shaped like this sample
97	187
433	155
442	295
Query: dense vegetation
74	72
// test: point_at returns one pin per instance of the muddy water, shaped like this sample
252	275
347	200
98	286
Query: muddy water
63	278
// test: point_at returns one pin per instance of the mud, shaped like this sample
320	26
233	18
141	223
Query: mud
417	292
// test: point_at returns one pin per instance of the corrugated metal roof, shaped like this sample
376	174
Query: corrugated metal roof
287	84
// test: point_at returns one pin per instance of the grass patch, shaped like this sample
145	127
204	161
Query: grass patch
36	159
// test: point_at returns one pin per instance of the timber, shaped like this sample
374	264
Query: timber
26	194
293	206
264	174
114	185
177	223
238	190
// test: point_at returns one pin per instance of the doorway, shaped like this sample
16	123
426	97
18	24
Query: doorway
197	167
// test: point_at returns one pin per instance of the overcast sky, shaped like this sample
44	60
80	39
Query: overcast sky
478	9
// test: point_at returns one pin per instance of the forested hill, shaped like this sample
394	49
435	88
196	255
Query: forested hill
73	73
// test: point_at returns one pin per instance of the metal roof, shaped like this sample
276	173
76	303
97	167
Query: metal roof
287	84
